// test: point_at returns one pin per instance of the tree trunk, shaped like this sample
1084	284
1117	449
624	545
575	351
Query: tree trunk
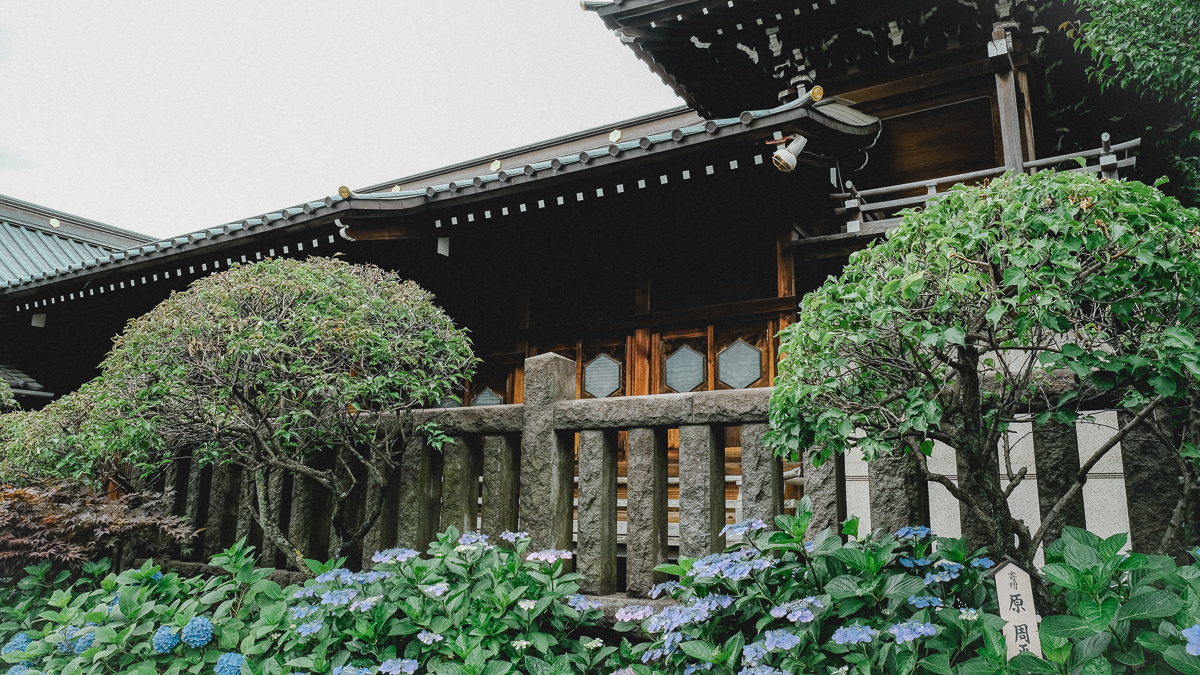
270	526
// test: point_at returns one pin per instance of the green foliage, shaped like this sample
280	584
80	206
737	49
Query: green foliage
8	402
1045	290
781	601
1124	612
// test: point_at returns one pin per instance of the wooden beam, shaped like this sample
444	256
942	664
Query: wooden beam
1009	109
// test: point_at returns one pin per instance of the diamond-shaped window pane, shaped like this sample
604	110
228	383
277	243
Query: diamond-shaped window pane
602	376
685	369
739	365
487	397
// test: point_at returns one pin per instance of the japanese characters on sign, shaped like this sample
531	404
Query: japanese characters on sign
1015	595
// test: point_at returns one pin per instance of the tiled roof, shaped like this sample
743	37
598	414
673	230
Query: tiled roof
18	380
826	117
27	254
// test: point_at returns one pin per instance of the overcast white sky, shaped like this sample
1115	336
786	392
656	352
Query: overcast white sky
166	117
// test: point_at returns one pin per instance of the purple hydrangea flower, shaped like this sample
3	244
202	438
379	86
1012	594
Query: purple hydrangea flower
394	555
754	652
780	639
429	638
397	666
580	603
549	556
512	537
471	538
854	634
693	667
740	529
911	630
667	587
799	611
437	590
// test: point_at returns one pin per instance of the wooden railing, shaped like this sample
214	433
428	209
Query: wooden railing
510	467
871	218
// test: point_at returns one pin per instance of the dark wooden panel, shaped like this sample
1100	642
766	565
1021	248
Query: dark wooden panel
931	143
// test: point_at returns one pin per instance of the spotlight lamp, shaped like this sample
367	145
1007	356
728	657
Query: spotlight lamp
785	158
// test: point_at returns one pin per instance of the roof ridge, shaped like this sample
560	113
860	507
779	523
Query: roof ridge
70	218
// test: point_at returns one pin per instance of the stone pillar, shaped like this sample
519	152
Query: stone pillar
300	520
701	491
762	477
899	493
646	509
598	512
501	486
218	492
1056	461
246	506
1153	484
420	505
825	487
191	509
460	486
275	502
376	493
547	456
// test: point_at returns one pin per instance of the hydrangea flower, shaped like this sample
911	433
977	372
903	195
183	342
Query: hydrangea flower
665	587
624	671
18	643
21	669
164	639
754	652
365	604
650	655
924	601
306	592
968	614
230	663
854	634
309	628
762	670
675	617
83	643
470	538
429	638
693	667
594	643
780	639
670	640
527	605
549	556
913	532
947	571
512	537
397	666
349	670
339	597
520	644
910	630
437	590
1193	637
197	633
580	603
734	566
740	529
64	645
302	611
797	610
394	555
332	575
910	562
983	563
808	546
634	612
710	603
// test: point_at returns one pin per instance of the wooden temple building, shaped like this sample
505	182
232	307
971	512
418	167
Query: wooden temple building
659	254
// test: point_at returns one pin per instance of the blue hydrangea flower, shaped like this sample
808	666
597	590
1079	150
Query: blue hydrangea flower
650	655
580	603
693	667
197	633
349	670
437	590
365	604
670	640
913	532
303	611
394	555
754	652
799	611
512	537
854	634
306	629
429	638
710	603
733	566
19	669
397	666
983	563
230	663
157	576
83	643
740	529
808	546
968	614
339	597
780	639
1193	637
910	562
471	538
762	670
68	633
924	601
665	587
307	592
675	617
635	612
18	643
910	630
164	640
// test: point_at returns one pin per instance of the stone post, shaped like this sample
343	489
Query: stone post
598	512
420	495
501	487
218	493
191	508
460	486
899	493
1056	461
547	458
701	491
825	487
762	477
1153	484
646	509
300	521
